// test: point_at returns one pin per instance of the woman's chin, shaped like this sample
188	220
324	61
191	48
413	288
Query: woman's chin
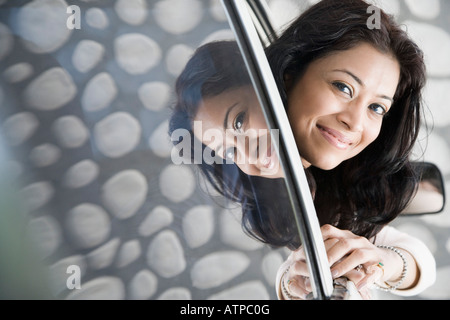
326	164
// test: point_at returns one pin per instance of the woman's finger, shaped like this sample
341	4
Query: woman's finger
355	275
297	287
328	232
345	247
363	256
373	274
330	243
299	268
299	254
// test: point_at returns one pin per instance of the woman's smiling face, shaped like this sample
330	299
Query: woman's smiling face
336	107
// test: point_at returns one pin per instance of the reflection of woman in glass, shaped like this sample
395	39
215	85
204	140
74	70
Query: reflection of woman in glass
353	97
214	80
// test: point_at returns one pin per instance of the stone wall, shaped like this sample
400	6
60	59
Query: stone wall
85	114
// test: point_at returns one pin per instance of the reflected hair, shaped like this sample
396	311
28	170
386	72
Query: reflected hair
215	68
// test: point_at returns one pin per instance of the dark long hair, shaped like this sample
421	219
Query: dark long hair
370	190
363	193
215	68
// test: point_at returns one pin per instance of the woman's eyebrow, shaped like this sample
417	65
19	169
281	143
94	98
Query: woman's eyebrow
225	121
358	80
361	83
387	98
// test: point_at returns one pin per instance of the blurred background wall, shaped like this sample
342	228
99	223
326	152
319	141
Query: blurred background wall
84	116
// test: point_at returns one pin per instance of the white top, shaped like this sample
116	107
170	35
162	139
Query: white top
392	237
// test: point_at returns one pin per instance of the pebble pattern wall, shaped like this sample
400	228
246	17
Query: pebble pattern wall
85	113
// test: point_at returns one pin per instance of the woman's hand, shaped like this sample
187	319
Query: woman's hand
349	255
355	258
296	279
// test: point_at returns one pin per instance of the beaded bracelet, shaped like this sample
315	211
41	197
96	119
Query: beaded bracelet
283	287
403	276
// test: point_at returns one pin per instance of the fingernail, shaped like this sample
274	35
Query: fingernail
307	283
334	273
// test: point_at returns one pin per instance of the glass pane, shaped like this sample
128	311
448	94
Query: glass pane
95	196
104	202
298	193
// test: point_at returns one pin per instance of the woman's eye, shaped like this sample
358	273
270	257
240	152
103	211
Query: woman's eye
343	88
378	109
230	154
238	122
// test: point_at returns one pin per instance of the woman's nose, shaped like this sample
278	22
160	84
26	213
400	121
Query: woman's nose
353	116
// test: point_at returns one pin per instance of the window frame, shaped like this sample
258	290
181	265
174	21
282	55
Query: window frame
239	13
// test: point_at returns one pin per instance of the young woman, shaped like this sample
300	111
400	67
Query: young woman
353	98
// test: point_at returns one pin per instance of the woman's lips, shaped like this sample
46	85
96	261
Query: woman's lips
335	138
